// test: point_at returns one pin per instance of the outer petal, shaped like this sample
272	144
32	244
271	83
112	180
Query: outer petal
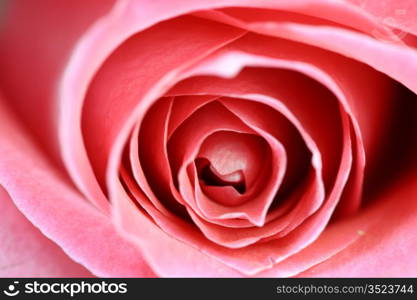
44	196
25	252
36	40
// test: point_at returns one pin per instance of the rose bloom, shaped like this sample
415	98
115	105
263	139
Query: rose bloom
208	138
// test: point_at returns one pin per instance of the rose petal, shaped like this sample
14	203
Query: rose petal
272	229
149	158
52	29
25	252
183	108
45	197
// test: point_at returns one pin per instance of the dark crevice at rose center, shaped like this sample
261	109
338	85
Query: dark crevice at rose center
211	177
233	159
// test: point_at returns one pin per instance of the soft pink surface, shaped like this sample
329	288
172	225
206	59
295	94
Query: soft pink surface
107	173
26	252
51	203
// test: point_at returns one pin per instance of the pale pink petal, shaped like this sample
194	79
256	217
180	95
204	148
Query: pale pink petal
44	195
35	42
26	252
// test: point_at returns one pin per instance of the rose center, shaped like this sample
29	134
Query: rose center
211	177
231	159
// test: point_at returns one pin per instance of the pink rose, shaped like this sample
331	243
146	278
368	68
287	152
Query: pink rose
208	138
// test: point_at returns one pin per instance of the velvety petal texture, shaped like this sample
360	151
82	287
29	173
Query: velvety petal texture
197	138
48	200
26	252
